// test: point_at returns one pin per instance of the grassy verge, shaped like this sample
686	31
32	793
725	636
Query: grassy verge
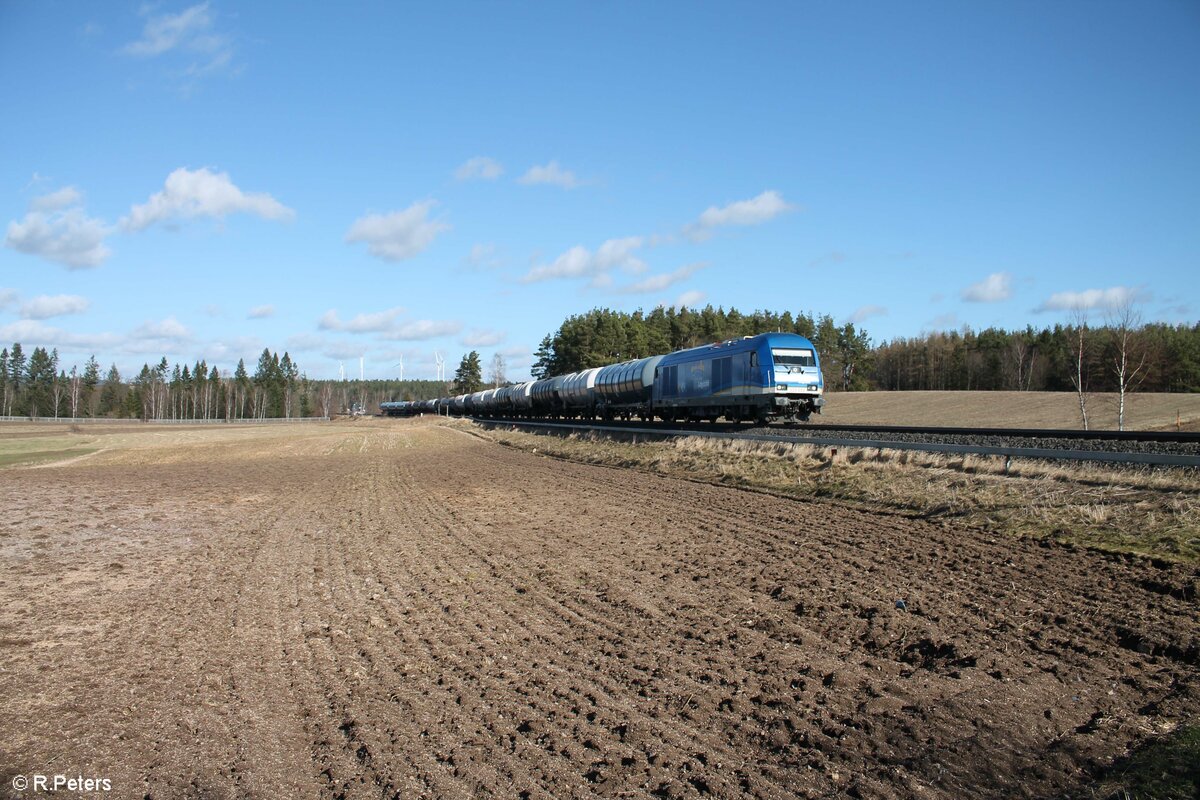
1165	768
1154	513
34	457
35	447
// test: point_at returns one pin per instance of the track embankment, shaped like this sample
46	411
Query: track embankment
408	610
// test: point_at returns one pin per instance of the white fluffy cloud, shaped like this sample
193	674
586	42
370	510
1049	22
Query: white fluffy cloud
202	193
755	211
1093	299
863	313
261	312
376	322
31	331
479	168
47	306
56	201
551	174
992	289
168	31
8	297
656	283
58	229
398	235
189	32
579	262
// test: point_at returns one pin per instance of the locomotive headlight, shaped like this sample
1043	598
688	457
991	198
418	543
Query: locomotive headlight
781	387
812	387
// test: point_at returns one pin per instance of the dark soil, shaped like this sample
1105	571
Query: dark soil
402	610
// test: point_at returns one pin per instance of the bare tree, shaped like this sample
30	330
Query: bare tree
327	398
496	371
76	380
1079	349
59	391
1023	352
1129	358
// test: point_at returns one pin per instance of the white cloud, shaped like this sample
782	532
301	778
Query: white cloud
56	201
619	253
202	193
864	313
483	338
755	211
189	32
424	329
691	299
261	312
58	229
992	289
551	174
375	322
34	333
656	283
398	235
167	31
479	168
1090	299
47	306
8	298
579	262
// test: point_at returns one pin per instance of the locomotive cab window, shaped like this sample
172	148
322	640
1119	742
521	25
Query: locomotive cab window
794	358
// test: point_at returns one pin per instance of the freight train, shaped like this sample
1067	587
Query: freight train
756	378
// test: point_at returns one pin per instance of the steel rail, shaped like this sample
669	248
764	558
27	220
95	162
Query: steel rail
1157	459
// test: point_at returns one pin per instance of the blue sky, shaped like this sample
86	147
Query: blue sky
389	180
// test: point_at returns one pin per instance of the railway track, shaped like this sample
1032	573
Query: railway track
1154	448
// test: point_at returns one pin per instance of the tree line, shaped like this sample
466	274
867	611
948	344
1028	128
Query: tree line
37	384
1050	359
603	336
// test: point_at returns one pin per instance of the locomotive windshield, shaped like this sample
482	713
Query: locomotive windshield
794	358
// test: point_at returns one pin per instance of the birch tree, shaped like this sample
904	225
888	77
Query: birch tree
1129	356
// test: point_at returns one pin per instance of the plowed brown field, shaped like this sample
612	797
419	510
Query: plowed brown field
397	609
